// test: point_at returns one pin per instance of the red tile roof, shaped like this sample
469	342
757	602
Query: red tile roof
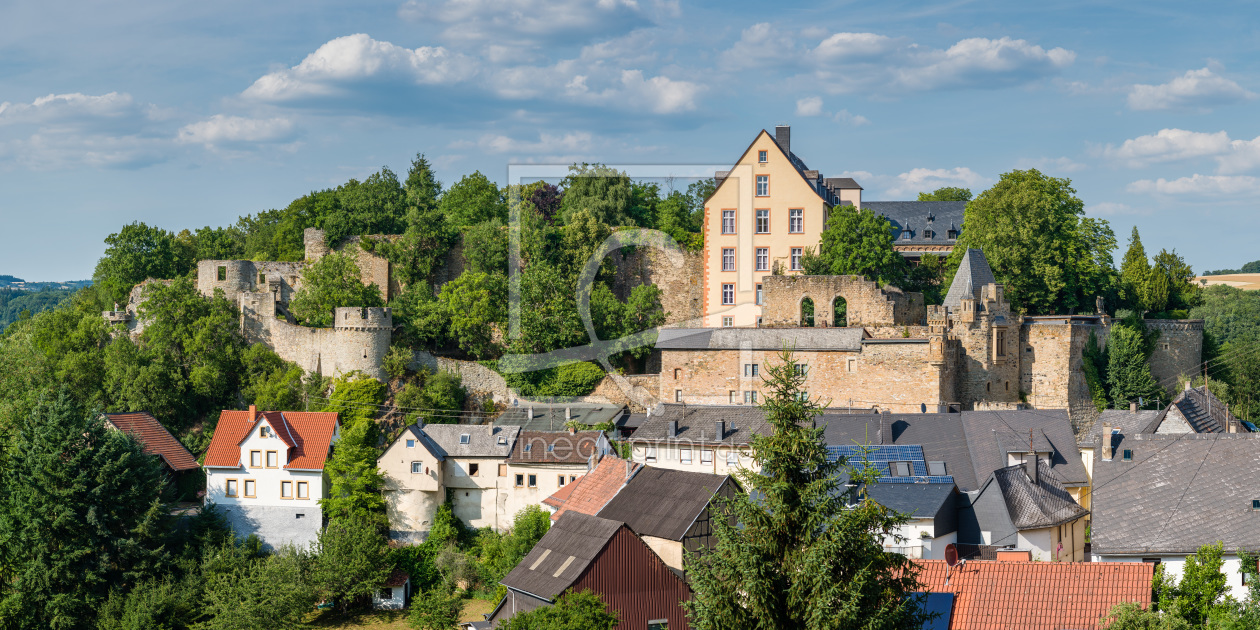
597	487
155	439
991	595
556	500
307	433
397	578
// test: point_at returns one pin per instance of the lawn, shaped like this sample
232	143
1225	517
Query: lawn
391	620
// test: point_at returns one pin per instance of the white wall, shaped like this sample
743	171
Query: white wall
518	498
411	499
915	545
670	456
1175	566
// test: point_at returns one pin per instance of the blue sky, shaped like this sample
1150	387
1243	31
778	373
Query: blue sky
187	114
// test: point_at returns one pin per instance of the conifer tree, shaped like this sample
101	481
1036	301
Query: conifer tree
1134	271
793	555
1128	371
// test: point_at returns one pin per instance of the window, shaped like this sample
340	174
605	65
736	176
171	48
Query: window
473	469
802	396
684	456
255	459
728	259
728	221
572	478
502	440
677	395
763	259
937	469
502	470
762	156
222	274
732	458
750	398
796	220
1001	343
265	431
411	443
801	369
760	296
677	373
1128	455
899	469
763	185
303	490
520	480
299	516
852	365
734	397
650	454
286	489
927	233
560	480
728	293
727	322
752	369
230	490
952	234
262	278
661	624
706	456
251	489
533	481
416	467
272	459
763	221
463	438
387	593
796	259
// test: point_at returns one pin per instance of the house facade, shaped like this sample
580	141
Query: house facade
265	471
543	462
698	438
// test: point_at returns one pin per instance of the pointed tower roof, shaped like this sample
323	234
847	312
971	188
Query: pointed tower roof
973	273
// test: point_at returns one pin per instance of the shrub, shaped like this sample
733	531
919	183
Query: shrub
397	360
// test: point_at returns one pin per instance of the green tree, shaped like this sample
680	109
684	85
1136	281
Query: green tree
136	253
333	281
80	512
1128	368
486	247
614	319
1172	280
1134	270
1229	313
1132	616
436	609
792	555
947	193
858	243
674	217
1094	361
1202	586
422	187
572	610
928	278
351	560
269	382
475	303
267	593
354	481
1242	363
603	192
442	397
1033	231
428	235
377	205
423	320
221	243
501	554
150	604
472	200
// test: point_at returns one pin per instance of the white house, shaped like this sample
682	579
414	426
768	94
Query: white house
265	471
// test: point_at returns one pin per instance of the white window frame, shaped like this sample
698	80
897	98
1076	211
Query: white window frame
763	186
684	456
796	220
417	468
732	458
728	322
728	293
763	221
728	221
797	252
286	489
750	397
706	457
763	259
678	395
411	443
734	396
649	454
762	158
303	490
728	259
760	295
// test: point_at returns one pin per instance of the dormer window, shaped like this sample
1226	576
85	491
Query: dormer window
502	440
463	438
1128	455
905	233
953	234
927	233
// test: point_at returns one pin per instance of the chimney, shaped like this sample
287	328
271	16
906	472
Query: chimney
720	429
1106	443
253	414
1030	467
529	413
629	467
490	429
673	429
1187	384
783	136
1132	407
568	413
572	430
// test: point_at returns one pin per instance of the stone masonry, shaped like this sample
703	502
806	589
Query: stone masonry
866	303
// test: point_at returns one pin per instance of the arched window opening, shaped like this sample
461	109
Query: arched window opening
807	313
840	312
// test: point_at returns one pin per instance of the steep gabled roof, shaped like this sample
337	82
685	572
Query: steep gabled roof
416	432
592	491
308	433
552	417
941	435
909	219
797	163
697	424
663	503
155	439
483	440
991	435
1034	505
1204	411
973	273
562	555
1036	595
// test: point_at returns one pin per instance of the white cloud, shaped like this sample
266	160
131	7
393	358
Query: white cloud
853	119
924	179
64	107
1168	145
220	130
351	59
1196	89
809	106
547	144
1213	185
527	22
850	46
662	95
980	62
762	46
61	130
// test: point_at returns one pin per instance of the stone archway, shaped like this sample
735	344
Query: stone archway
839	311
807	312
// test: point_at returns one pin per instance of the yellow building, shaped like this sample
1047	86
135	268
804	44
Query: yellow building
767	210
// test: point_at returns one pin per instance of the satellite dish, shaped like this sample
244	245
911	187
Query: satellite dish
951	555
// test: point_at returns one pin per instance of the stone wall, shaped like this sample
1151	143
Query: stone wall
277	526
358	339
373	268
1178	351
643	392
867	304
280	278
479	380
682	290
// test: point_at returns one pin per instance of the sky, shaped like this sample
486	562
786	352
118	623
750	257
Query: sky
187	114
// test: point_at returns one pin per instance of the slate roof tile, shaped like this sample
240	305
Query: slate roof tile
663	503
555	447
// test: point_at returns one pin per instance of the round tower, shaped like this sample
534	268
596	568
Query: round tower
363	318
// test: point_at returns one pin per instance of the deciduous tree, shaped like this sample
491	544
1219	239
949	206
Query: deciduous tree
473	200
857	242
333	281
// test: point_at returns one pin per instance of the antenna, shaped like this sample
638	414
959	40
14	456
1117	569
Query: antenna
951	560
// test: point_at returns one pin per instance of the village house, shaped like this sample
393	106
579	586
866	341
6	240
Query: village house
582	552
265	471
542	462
698	438
591	492
548	417
155	440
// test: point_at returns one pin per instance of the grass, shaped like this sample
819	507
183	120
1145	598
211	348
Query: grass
391	619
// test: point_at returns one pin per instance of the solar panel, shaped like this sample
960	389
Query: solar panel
940	604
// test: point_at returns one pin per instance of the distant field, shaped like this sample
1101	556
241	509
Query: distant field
1244	281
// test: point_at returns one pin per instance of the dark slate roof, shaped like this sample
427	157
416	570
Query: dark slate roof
562	555
841	183
1204	411
914	217
917	500
1129	422
843	339
697	424
551	417
416	432
992	434
1180	492
482	442
1036	505
973	273
940	434
663	503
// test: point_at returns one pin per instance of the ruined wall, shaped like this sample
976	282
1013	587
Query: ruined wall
1178	351
682	290
479	380
373	268
358	339
893	374
644	387
280	278
867	304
